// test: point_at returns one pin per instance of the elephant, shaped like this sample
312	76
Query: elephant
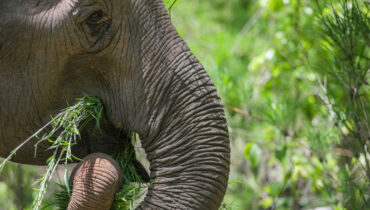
128	54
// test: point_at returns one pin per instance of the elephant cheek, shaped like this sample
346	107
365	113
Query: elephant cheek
95	182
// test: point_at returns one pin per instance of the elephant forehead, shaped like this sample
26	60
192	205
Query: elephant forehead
52	16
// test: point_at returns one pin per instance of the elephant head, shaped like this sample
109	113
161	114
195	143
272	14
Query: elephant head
128	54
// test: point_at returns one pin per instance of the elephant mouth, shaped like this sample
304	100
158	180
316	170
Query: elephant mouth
98	177
109	140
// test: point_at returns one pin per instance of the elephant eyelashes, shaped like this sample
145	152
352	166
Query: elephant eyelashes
95	18
97	21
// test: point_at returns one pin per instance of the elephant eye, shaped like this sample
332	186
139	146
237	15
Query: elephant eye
95	18
96	25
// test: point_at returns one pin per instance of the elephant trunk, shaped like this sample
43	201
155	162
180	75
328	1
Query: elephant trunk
189	148
185	132
95	181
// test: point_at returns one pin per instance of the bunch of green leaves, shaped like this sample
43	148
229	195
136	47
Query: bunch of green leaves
66	126
127	196
133	186
63	135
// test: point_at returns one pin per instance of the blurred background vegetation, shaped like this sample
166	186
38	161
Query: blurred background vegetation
294	78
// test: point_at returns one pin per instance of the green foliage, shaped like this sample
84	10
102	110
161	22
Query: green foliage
133	186
270	60
125	198
62	196
66	127
346	32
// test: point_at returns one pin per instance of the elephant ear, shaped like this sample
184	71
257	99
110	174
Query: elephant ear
95	181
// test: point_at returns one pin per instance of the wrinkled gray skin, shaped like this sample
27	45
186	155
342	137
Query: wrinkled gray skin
128	54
